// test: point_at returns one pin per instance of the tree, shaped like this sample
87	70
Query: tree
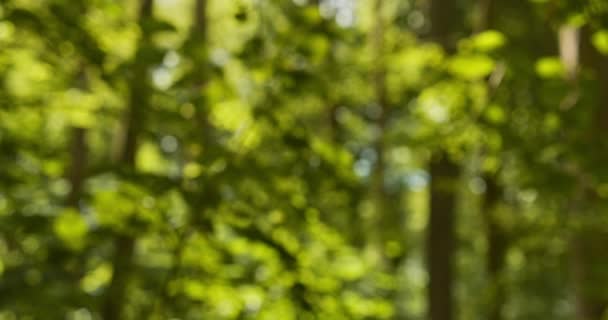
303	159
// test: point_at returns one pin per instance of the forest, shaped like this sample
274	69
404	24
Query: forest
304	159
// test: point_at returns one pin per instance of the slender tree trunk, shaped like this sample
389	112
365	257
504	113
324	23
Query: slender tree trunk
200	19
568	40
579	278
496	238
78	153
387	222
440	237
198	33
333	124
78	162
380	95
497	246
444	173
484	15
77	169
124	244
587	306
587	249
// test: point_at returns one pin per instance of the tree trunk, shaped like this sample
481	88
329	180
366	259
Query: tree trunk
379	85
440	237
587	243
497	247
198	33
124	245
496	238
78	160
444	175
78	153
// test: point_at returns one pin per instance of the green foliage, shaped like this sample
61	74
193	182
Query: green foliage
471	67
550	67
486	41
71	228
259	159
600	41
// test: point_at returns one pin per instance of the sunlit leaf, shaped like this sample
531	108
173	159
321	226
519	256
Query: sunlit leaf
471	67
71	228
549	67
150	159
600	41
96	278
488	40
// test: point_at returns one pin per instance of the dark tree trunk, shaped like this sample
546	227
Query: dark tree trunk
497	246
121	266
444	173
78	152
379	85
77	171
440	237
496	237
587	243
124	245
587	252
198	33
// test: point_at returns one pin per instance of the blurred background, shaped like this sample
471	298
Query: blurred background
304	159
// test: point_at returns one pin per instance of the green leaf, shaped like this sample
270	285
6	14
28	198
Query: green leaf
96	278
71	228
495	114
488	40
577	20
549	67
471	67
600	41
150	159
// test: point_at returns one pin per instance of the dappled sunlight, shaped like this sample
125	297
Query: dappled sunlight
303	159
